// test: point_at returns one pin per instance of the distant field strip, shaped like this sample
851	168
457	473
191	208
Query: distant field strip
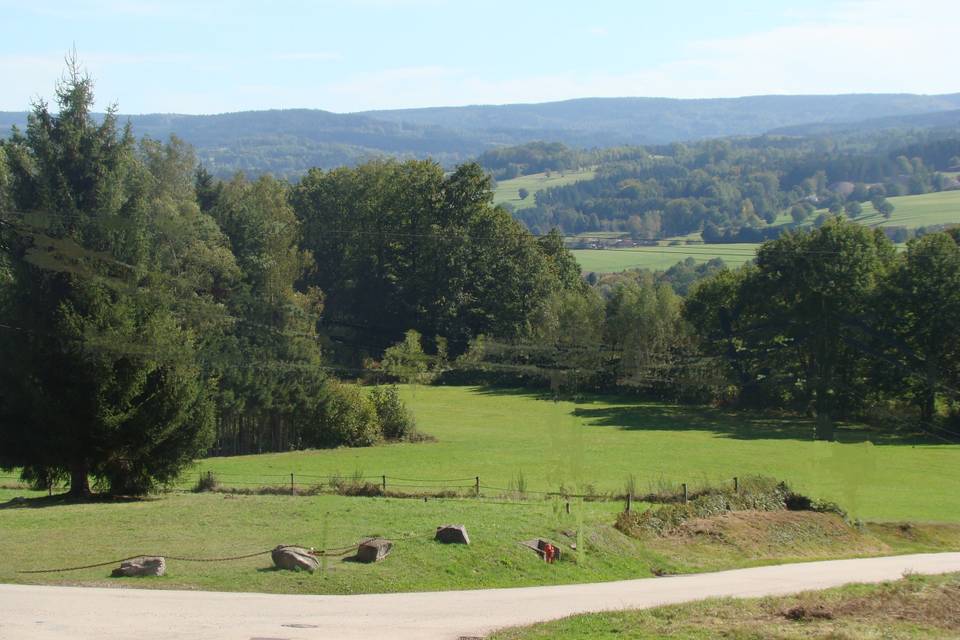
614	260
507	191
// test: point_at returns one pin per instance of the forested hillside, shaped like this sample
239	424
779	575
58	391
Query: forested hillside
736	189
285	143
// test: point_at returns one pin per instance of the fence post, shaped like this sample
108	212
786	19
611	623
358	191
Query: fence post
383	480
291	484
476	487
568	507
629	501
684	493
210	479
736	484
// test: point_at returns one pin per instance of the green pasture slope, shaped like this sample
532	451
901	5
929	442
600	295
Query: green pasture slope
662	257
924	210
507	191
498	435
942	207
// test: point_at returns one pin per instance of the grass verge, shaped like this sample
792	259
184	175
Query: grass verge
914	607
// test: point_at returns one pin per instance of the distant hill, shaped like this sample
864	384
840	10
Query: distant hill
614	121
287	142
934	120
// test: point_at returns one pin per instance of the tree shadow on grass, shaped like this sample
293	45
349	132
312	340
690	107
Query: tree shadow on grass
630	413
63	499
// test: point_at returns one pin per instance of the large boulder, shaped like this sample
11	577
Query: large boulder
146	566
294	559
452	534
373	550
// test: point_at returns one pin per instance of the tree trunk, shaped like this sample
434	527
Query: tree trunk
824	428
929	405
79	480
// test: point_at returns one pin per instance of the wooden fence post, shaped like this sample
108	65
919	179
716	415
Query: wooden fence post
383	484
684	493
292	490
476	487
629	501
736	484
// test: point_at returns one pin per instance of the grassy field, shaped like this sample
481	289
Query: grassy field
44	533
507	191
663	257
909	211
916	211
591	445
914	607
500	434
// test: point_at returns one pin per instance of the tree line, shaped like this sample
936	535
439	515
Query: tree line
830	322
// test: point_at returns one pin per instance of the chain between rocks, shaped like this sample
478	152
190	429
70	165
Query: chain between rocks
335	552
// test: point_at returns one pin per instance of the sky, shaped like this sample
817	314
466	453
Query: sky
168	56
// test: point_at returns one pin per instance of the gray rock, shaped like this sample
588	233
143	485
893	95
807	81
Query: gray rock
294	558
146	566
373	550
452	534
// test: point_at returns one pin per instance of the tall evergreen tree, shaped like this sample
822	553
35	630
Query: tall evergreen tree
98	372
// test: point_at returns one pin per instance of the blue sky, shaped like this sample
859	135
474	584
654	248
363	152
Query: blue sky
351	55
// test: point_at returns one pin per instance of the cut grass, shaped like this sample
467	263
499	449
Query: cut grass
51	533
601	441
914	607
662	257
507	191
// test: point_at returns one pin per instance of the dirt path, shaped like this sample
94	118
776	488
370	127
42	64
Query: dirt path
71	613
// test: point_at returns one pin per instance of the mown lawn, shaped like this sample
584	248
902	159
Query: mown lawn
599	442
54	534
51	533
914	607
662	257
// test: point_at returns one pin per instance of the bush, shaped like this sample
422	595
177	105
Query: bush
396	421
206	482
346	417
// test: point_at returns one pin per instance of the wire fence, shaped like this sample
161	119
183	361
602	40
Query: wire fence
470	488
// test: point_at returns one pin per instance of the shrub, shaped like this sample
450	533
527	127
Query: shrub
206	482
396	421
345	416
406	360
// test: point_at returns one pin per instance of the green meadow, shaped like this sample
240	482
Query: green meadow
513	440
662	257
507	191
597	443
916	211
